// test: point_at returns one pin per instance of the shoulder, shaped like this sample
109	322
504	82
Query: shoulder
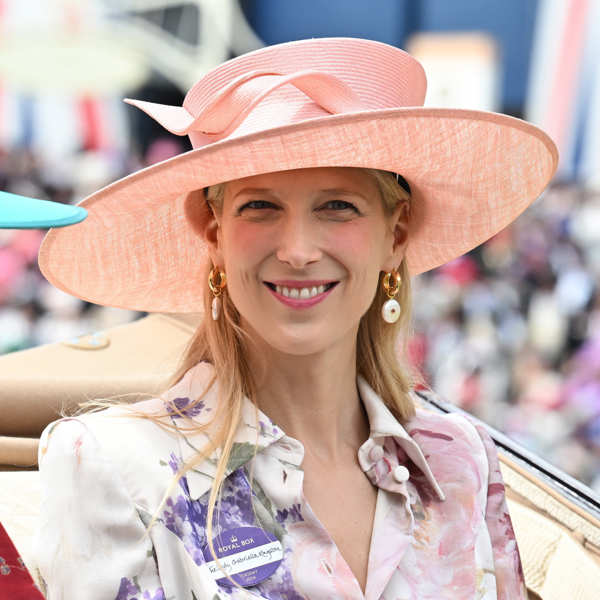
130	452
455	427
119	426
136	442
145	424
457	448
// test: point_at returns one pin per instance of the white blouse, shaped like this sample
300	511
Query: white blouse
441	530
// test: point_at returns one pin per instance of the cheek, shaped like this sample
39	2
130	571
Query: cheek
352	240
245	246
245	242
355	246
358	248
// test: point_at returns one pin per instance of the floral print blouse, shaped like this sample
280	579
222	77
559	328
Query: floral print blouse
441	529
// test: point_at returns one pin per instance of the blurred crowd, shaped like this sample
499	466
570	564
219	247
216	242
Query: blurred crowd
32	312
510	332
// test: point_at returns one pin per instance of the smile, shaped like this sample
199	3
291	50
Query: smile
300	297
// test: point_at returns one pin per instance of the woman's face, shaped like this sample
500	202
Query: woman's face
283	237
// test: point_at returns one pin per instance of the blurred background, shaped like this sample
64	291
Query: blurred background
509	332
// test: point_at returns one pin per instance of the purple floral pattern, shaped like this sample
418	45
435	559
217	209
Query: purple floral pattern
187	518
130	590
240	505
267	428
184	407
293	514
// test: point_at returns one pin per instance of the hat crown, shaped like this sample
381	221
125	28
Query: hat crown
288	83
218	116
282	85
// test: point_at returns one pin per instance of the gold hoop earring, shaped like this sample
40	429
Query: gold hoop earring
216	282
390	311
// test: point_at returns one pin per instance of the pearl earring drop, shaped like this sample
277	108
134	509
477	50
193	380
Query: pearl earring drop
216	308
216	289
390	311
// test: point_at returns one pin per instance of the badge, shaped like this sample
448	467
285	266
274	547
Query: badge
247	554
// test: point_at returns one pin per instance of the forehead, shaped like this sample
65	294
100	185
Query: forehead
312	179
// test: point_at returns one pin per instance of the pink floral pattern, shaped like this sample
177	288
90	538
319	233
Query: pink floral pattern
443	532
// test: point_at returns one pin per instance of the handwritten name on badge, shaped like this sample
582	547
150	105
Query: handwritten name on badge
247	554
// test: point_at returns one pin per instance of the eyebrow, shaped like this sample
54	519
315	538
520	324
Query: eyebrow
342	192
329	191
251	190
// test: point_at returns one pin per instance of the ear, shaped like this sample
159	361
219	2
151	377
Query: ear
396	237
205	223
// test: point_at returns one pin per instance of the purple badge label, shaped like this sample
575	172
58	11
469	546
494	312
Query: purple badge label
247	554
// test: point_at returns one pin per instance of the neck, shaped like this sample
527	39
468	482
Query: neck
314	398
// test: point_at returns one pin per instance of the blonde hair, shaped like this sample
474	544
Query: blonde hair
381	356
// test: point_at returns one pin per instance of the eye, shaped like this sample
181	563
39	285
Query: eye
256	205
339	205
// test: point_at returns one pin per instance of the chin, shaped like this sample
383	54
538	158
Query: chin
299	346
297	339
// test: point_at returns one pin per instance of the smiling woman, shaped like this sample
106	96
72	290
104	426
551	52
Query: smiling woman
287	456
285	229
308	243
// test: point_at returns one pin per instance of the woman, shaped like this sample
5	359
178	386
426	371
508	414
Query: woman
287	458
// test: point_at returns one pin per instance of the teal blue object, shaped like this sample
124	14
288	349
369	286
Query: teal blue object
19	212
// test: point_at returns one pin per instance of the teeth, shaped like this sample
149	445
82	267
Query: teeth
302	293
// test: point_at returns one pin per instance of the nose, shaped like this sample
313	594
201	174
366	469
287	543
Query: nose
298	241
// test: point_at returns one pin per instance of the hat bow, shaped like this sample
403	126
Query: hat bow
218	115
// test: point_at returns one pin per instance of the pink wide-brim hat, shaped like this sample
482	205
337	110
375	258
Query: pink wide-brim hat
311	103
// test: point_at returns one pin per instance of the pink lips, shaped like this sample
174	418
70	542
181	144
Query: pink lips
298	302
304	282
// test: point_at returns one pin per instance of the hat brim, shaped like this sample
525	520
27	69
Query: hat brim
470	172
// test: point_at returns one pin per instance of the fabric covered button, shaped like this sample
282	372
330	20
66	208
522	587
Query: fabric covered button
401	474
376	453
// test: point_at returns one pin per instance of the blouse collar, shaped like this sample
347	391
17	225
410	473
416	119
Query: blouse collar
257	432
